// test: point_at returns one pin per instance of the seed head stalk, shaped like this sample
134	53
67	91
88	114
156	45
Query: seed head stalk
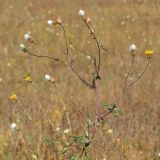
97	66
125	83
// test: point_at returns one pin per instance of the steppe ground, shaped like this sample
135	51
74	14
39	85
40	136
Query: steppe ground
117	24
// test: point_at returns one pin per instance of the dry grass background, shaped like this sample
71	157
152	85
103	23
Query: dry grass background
117	24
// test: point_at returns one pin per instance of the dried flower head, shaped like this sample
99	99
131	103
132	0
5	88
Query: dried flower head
13	97
13	126
81	12
132	48
88	20
59	20
50	22
47	77
27	37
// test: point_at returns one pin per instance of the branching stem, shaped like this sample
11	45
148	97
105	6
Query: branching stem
42	56
97	66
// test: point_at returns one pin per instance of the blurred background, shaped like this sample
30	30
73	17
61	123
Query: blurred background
134	134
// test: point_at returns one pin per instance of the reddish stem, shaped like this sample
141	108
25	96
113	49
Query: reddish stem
96	107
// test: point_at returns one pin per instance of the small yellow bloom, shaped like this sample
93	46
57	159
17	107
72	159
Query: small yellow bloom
13	97
28	79
149	53
110	131
34	157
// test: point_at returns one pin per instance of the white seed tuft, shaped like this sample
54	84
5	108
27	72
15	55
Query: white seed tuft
13	126
27	37
22	46
47	77
50	22
81	12
132	48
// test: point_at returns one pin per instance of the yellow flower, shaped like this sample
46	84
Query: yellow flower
34	157
149	53
28	79
110	131
13	97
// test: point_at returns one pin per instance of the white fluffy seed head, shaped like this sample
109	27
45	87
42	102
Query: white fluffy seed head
47	77
22	46
13	126
27	37
81	12
50	22
132	48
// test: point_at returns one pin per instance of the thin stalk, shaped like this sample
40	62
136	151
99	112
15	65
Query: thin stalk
105	49
57	59
82	115
144	70
67	51
76	48
106	114
86	83
29	117
25	111
99	50
75	72
34	84
65	37
41	56
125	83
68	120
39	46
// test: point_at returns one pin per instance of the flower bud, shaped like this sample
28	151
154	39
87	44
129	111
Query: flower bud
88	20
59	20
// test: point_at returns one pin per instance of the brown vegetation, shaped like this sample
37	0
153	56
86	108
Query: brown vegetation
117	24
